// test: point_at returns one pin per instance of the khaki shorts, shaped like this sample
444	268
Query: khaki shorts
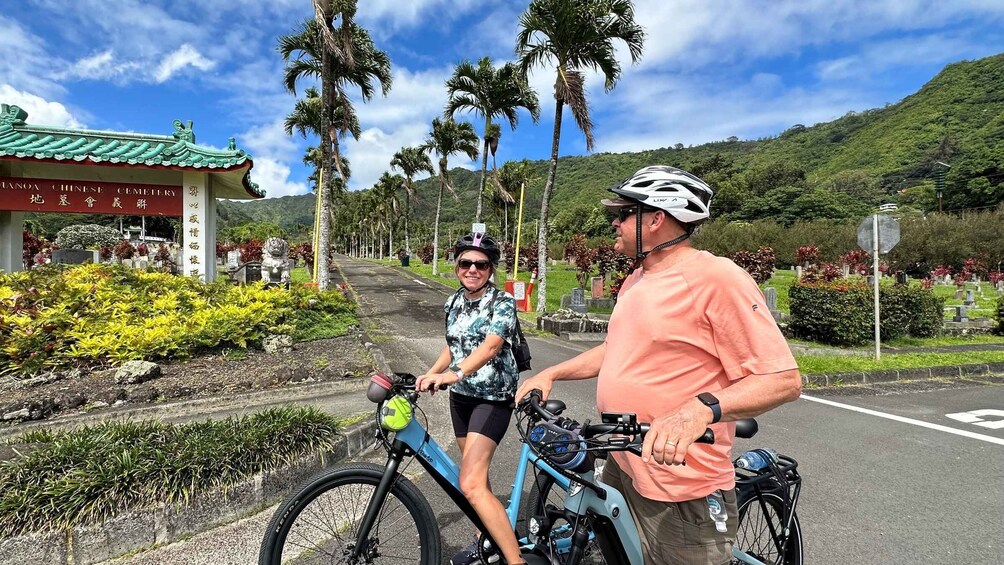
676	533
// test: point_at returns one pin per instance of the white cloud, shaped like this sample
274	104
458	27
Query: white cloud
184	56
904	52
270	139
40	111
384	17
273	176
24	62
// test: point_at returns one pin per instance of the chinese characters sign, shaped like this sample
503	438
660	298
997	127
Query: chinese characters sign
97	197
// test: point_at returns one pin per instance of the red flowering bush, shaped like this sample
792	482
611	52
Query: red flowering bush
806	254
995	277
528	257
105	253
251	250
941	271
426	253
124	250
759	264
32	246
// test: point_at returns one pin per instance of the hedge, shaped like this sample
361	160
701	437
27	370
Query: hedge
841	312
1000	315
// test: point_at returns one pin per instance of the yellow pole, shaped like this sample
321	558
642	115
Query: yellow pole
317	219
519	229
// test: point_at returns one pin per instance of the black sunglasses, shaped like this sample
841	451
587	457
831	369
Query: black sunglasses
624	212
466	264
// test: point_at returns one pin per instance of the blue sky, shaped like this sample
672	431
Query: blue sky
711	69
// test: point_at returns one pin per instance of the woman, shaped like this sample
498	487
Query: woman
478	362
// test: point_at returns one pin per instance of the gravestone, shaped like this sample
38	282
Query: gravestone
142	263
596	287
72	256
798	273
770	296
970	298
450	257
233	259
847	271
248	273
960	314
871	280
901	278
578	302
959	293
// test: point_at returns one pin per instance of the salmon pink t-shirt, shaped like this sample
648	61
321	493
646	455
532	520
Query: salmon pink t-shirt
696	327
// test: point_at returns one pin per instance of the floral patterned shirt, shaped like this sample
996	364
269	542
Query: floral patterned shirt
467	324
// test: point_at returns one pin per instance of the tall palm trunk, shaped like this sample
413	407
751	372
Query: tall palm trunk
324	235
542	234
435	235
407	215
390	241
484	168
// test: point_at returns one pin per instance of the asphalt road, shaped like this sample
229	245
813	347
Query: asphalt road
883	483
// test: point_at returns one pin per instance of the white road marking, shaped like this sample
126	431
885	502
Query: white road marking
938	427
975	417
420	282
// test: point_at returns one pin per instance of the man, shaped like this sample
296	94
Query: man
690	345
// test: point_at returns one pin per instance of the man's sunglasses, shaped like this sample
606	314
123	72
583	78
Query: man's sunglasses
624	212
466	264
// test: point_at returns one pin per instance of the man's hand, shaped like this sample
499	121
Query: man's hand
670	436
542	381
430	382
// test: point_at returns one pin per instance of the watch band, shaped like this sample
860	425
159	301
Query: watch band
459	372
711	401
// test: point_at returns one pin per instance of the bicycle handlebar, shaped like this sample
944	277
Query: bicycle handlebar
589	431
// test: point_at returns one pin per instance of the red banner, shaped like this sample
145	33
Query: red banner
90	197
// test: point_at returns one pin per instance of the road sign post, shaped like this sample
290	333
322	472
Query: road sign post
877	234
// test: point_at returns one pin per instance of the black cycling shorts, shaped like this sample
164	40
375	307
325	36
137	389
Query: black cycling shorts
477	415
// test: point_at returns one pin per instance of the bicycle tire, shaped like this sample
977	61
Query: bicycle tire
753	532
533	505
298	518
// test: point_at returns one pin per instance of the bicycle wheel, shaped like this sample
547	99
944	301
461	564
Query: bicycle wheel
753	535
544	491
318	523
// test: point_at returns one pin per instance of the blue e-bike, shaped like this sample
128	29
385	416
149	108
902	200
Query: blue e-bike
363	513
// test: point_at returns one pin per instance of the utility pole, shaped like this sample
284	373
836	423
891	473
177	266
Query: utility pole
939	180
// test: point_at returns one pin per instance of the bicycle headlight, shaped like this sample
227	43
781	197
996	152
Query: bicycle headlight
395	414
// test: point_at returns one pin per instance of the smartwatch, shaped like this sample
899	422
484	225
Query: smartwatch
710	401
460	372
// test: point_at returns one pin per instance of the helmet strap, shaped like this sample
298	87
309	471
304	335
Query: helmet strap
640	257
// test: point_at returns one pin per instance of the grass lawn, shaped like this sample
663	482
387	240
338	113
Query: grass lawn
814	364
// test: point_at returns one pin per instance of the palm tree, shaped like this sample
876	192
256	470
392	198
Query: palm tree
411	161
446	138
489	92
574	34
506	184
340	58
388	205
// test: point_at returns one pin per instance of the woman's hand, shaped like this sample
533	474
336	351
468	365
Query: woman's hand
430	382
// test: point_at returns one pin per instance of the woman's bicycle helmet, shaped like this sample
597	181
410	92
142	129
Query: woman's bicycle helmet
479	242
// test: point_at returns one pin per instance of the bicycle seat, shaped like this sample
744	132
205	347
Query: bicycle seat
554	406
746	428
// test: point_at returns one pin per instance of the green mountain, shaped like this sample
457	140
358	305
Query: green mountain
837	169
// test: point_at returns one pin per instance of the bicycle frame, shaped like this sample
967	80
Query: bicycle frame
610	514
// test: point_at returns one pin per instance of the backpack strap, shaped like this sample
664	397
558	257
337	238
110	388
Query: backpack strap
446	319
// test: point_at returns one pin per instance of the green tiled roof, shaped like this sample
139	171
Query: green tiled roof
177	151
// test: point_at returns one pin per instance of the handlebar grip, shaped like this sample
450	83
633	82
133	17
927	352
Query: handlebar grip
707	437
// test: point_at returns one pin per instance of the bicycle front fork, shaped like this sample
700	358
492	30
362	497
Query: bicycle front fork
362	545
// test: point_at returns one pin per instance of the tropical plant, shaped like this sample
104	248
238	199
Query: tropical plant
573	34
446	138
339	57
490	93
411	161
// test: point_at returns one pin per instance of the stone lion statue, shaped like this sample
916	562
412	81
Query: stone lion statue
275	261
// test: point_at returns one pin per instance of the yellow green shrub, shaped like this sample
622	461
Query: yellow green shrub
106	314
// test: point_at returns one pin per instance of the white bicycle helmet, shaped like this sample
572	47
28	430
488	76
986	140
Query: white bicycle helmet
681	194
